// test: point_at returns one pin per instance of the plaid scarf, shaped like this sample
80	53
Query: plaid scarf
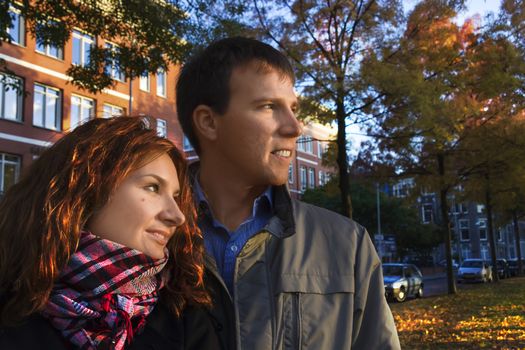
104	294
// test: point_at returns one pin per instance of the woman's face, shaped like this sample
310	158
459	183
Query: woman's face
142	212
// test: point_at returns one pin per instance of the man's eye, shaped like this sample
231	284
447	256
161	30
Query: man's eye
268	106
152	188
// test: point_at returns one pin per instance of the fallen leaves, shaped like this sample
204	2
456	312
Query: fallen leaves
488	316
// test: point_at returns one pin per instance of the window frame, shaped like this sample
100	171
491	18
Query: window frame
19	95
303	185
113	108
58	106
114	69
83	37
18	168
146	78
290	173
47	48
311	177
164	81
162	128
21	26
463	229
82	100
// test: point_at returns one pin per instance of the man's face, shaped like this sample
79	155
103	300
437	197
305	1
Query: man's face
256	135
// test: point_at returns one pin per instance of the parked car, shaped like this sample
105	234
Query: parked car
402	280
503	268
474	270
513	267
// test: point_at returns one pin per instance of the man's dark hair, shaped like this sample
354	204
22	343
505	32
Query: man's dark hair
205	78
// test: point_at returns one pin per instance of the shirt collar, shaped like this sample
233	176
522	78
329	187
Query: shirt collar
265	200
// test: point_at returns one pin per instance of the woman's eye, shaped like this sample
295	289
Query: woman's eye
152	188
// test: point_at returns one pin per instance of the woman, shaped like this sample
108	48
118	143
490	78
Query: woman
99	247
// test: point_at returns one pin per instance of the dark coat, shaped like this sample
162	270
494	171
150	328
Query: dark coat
195	330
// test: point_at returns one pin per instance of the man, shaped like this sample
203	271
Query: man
283	274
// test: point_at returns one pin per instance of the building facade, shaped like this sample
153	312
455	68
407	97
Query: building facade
468	222
38	103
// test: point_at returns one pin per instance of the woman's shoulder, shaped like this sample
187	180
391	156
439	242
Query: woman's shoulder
34	333
194	329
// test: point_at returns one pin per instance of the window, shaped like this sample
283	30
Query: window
302	175
112	111
186	144
321	178
480	208
464	230
113	68
48	49
162	128
82	109
17	31
311	177
300	143
485	252
82	44
47	107
144	82
290	173
10	97
9	171
482	225
320	149
428	213
461	208
161	83
309	145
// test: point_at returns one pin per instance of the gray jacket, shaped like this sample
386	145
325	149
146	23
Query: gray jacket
310	280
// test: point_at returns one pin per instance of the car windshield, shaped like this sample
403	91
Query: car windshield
389	270
472	263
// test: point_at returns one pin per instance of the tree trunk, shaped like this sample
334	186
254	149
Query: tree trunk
492	243
443	190
342	161
517	240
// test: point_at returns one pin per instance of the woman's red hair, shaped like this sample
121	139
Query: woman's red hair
41	216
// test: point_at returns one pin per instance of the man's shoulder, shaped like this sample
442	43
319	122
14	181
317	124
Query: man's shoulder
309	219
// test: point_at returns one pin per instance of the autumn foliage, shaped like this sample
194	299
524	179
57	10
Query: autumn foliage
483	316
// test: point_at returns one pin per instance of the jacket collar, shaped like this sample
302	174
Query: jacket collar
282	224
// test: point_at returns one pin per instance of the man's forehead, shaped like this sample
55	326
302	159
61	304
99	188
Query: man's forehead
262	67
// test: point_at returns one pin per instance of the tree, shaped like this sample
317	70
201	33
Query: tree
398	217
149	34
445	81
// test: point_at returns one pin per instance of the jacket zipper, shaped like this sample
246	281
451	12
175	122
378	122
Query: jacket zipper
296	312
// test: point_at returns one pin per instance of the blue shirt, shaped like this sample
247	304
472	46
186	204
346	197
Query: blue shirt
225	245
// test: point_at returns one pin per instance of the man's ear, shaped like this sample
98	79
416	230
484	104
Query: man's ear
204	122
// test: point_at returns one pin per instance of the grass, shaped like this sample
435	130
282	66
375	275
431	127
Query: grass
482	316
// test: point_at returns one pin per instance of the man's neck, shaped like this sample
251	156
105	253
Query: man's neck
230	200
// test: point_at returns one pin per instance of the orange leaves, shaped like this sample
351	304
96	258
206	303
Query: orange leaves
481	317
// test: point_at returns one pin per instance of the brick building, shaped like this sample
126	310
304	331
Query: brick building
49	105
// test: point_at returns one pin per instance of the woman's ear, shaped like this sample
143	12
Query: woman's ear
204	122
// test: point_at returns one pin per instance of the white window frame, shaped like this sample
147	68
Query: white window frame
162	84
290	173
424	209
84	39
482	225
144	82
162	128
46	50
10	89
21	26
321	178
114	69
3	161
48	93
109	111
464	226
300	143
84	102
311	178
308	147
302	176
186	144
